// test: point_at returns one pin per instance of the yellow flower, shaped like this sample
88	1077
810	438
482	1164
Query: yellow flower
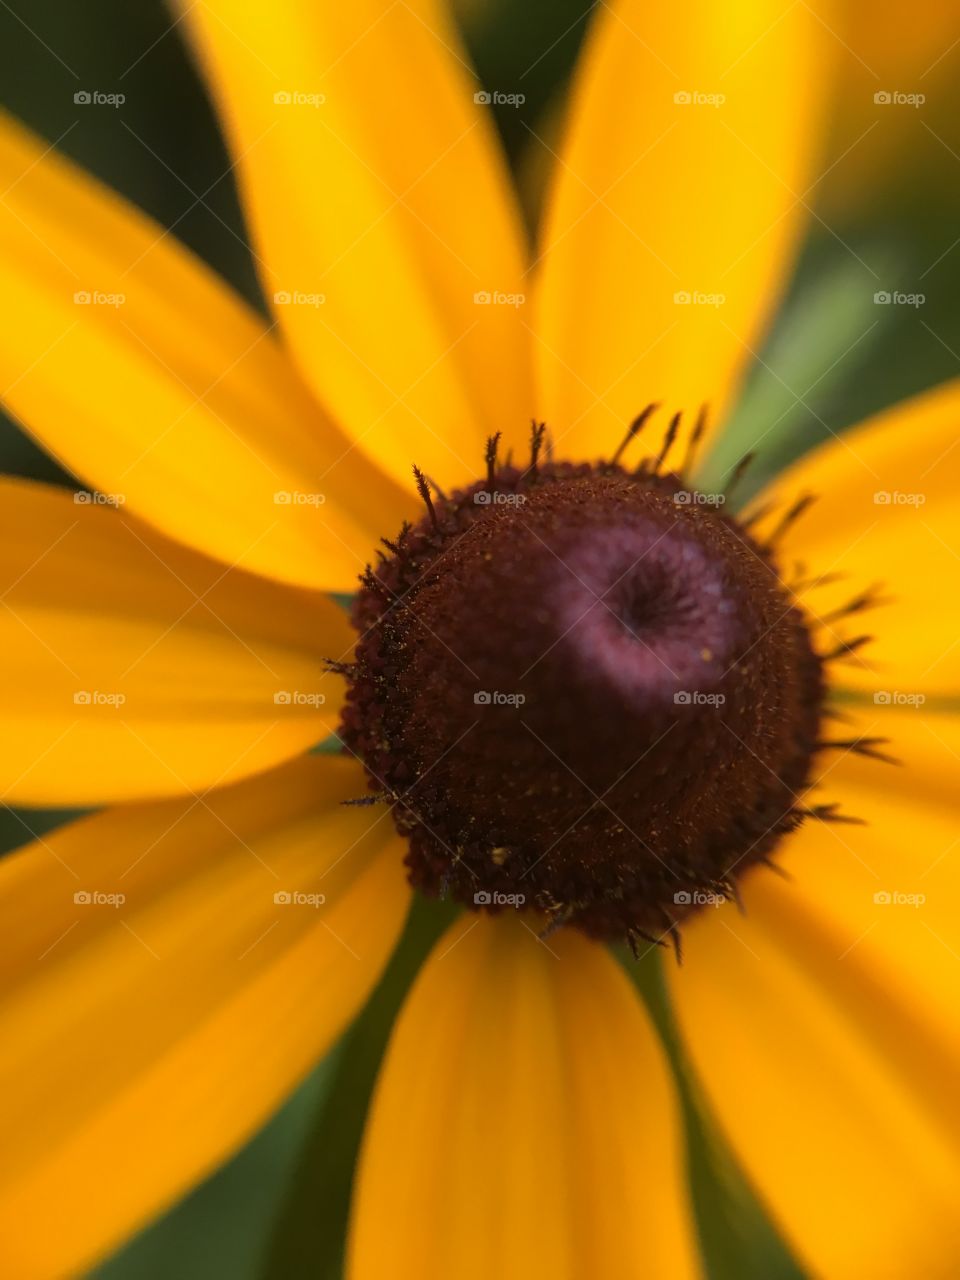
173	964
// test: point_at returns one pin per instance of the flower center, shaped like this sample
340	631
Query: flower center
585	691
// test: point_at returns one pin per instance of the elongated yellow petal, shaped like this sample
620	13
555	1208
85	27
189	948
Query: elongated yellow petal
133	667
173	974
371	176
823	1023
539	1133
676	207
143	374
886	513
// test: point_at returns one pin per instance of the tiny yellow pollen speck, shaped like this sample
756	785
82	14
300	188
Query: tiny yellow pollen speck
706	654
499	855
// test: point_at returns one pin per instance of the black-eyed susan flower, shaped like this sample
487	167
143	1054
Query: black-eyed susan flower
590	700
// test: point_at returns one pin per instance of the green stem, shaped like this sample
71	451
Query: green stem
310	1233
737	1239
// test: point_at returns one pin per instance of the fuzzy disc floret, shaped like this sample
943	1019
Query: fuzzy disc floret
586	691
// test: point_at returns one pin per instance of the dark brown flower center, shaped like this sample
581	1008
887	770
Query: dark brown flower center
584	691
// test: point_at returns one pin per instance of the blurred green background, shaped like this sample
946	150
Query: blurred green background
886	217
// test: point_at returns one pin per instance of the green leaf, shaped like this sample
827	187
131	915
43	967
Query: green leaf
828	328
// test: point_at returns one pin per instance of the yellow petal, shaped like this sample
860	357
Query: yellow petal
823	1023
523	1125
133	364
676	207
371	176
886	512
145	1041
133	667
